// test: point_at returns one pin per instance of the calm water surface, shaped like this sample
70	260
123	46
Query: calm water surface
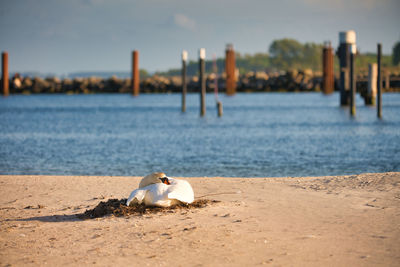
260	135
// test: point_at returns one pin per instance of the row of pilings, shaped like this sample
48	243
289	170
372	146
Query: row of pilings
229	82
347	53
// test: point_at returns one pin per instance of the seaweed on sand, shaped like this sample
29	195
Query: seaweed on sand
118	208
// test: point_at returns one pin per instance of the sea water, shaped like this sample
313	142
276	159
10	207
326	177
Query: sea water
259	135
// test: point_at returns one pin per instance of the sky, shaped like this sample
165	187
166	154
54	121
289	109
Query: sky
64	36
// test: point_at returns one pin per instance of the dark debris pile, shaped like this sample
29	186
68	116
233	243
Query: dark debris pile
118	208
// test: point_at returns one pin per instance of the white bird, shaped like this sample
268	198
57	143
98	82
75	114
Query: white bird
157	189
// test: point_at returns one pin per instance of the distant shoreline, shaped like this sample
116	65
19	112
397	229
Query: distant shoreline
289	82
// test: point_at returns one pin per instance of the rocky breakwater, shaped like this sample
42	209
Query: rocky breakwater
37	85
292	81
283	81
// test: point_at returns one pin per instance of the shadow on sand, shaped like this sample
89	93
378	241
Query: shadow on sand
51	218
117	207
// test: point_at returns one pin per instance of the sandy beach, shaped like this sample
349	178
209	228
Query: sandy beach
315	221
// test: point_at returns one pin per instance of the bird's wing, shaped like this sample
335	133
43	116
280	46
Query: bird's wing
157	195
180	190
136	196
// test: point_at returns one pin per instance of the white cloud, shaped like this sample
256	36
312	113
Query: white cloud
184	22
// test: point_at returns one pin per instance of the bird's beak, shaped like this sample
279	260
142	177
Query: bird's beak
165	180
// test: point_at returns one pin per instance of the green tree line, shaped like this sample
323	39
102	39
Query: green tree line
285	54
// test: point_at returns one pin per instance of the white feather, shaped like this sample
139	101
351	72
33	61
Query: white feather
163	195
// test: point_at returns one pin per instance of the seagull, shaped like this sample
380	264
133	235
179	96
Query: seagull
157	189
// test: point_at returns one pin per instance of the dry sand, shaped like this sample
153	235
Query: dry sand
323	221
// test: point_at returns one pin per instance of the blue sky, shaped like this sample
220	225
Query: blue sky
54	36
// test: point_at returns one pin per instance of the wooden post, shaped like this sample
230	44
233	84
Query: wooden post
372	84
184	85
346	40
4	71
387	80
352	86
202	81
230	70
135	73
328	82
219	108
379	106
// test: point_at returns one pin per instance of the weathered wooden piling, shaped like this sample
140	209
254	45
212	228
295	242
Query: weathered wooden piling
4	71
379	105
328	82
219	109
215	70
135	73
346	40
369	98
230	70
184	83
202	81
387	80
352	84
